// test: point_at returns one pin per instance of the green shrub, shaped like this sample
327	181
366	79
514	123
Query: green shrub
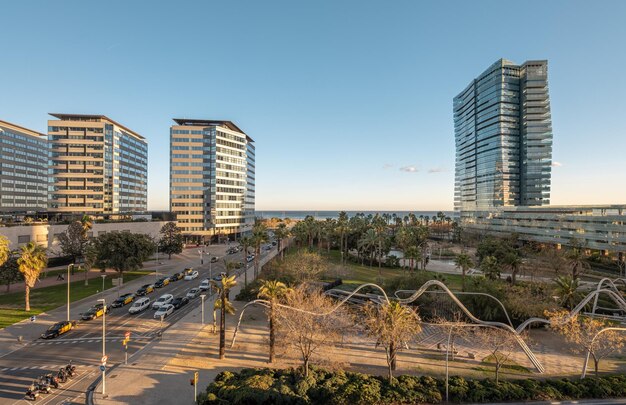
289	387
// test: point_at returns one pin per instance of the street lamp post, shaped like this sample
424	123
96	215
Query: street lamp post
201	251
68	291
210	269
203	296
104	314
104	276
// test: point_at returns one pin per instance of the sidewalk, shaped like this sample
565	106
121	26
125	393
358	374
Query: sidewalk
147	369
53	280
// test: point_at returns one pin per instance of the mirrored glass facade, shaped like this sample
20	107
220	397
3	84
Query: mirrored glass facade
503	138
23	170
212	169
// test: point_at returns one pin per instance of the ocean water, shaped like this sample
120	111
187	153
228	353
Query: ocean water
335	214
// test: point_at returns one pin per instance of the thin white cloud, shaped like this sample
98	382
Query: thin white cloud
436	170
409	169
557	164
387	166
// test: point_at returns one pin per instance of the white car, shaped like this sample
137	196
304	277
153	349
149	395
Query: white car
193	293
205	285
139	305
163	300
192	275
164	311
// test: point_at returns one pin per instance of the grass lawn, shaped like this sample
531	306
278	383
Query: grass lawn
355	274
47	298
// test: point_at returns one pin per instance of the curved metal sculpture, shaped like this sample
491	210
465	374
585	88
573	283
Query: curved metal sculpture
464	293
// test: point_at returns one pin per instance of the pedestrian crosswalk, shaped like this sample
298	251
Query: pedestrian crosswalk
48	368
89	340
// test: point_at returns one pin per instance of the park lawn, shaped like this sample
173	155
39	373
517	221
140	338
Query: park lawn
355	274
47	298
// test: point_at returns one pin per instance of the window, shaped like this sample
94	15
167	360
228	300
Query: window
23	239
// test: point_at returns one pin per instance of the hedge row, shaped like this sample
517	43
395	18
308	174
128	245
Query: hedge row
288	386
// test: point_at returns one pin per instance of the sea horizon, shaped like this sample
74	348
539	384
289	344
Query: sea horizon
323	214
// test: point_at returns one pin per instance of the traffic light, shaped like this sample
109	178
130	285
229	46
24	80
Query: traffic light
194	380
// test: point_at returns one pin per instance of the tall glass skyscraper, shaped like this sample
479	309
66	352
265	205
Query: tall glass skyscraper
212	170
503	138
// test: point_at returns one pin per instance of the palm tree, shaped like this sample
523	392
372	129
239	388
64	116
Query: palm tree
223	304
490	267
87	224
463	262
328	231
281	232
273	291
246	242
413	254
577	259
514	261
368	243
343	228
567	291
32	260
259	237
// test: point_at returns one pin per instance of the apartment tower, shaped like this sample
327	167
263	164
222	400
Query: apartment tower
23	170
211	179
503	138
97	167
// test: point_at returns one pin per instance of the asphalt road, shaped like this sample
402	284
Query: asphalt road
83	345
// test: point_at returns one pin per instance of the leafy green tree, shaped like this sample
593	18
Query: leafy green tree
273	291
122	251
223	304
5	252
393	326
72	242
31	262
10	271
490	268
171	240
463	262
567	291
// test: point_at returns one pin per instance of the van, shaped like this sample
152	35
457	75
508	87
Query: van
204	285
139	305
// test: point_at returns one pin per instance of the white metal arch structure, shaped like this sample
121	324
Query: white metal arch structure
593	340
266	304
531	356
463	293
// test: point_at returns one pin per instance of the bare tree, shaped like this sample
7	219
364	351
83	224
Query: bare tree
303	328
305	266
393	326
500	344
587	335
456	328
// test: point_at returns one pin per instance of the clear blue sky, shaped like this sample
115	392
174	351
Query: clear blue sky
339	95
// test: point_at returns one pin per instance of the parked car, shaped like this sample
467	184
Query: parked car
164	311
139	305
214	259
205	285
231	251
176	276
95	312
193	293
274	243
145	289
162	282
163	300
250	258
187	270
58	329
180	302
123	300
192	275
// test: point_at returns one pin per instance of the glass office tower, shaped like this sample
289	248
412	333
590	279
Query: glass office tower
97	166
23	170
503	138
212	168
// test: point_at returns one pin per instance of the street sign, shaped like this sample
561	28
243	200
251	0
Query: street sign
127	335
102	367
104	359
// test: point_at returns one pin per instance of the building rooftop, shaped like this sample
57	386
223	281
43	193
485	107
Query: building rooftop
22	129
224	123
93	117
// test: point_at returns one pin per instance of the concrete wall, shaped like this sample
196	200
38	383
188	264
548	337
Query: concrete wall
45	235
